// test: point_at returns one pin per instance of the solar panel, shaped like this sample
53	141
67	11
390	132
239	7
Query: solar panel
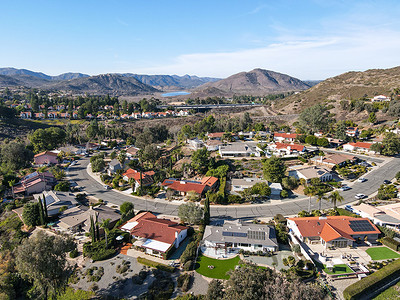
237	234
256	235
361	225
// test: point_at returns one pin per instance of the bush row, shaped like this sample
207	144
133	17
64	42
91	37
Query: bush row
372	282
156	265
391	243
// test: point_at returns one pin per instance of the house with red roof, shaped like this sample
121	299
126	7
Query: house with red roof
282	149
26	115
34	183
215	135
144	178
155	236
285	137
359	147
352	131
185	186
334	231
45	158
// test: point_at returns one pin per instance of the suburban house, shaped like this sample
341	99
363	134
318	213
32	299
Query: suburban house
385	215
335	142
141	178
215	135
155	236
56	200
213	145
309	172
25	115
239	150
72	150
34	183
285	137
132	152
77	219
240	184
89	146
336	159
185	186
195	144
352	131
45	158
114	166
336	231
282	149
359	147
233	236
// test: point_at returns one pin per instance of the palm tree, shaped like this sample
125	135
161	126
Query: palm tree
320	196
105	225
335	197
310	191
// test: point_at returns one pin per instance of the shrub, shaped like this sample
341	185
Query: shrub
94	287
372	282
97	251
284	194
391	243
136	279
188	265
74	253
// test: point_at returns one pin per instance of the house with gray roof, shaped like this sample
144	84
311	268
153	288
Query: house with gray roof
239	149
235	235
113	166
56	200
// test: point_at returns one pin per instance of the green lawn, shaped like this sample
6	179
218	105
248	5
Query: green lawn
221	266
381	253
338	269
391	293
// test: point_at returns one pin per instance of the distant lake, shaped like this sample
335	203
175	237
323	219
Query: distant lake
172	94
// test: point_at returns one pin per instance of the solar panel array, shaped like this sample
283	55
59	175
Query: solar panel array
361	225
256	235
237	234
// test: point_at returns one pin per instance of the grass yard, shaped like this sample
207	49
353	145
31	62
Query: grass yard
391	293
221	266
382	253
338	269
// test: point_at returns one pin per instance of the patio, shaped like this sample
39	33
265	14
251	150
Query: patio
218	253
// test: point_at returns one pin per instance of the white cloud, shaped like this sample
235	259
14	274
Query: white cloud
302	57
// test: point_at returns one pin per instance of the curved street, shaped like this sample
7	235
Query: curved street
79	174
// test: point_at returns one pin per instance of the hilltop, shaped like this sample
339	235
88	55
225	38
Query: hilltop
257	82
350	85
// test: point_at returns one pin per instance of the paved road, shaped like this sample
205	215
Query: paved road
79	174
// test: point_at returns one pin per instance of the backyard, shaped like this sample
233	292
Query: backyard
382	253
216	268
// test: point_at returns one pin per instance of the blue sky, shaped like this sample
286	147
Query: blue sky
312	39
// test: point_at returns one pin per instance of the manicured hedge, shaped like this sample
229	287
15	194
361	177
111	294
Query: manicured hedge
372	282
391	243
154	264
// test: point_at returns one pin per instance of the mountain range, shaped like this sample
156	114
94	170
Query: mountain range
256	82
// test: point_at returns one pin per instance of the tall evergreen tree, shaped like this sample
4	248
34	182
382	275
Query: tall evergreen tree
207	211
92	230
45	208
97	229
42	218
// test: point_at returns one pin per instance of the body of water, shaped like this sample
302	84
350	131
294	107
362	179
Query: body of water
172	94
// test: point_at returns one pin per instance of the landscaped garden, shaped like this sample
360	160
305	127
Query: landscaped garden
338	269
381	253
216	268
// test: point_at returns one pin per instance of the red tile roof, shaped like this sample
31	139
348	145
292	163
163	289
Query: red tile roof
338	226
296	147
184	186
46	153
162	230
216	134
361	145
210	181
146	176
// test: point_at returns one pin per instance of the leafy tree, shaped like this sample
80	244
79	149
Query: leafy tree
42	259
207	211
14	156
314	118
377	147
340	130
30	214
62	186
200	160
122	158
150	154
274	169
372	118
261	188
219	172
335	197
323	142
47	139
215	290
311	139
390	144
98	164
386	192
190	213
290	183
125	207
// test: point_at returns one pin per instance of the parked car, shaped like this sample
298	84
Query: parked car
387	181
345	188
348	207
360	196
107	187
361	179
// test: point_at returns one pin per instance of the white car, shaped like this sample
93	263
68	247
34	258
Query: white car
361	179
345	188
360	196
